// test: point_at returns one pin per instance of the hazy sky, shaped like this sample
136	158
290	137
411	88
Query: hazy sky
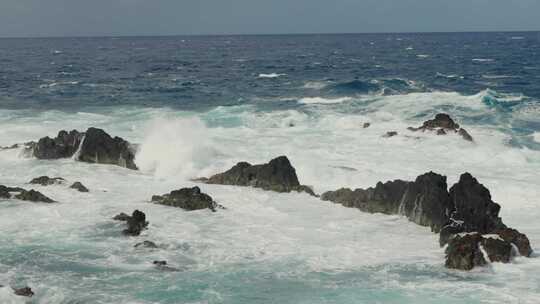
166	17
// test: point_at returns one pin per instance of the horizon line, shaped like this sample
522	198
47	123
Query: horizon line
262	34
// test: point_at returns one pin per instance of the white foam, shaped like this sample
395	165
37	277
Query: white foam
423	56
536	137
322	100
271	75
482	60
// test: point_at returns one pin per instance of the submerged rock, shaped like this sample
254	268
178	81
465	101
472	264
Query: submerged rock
46	181
121	217
424	201
146	244
443	124
186	198
92	146
136	223
162	265
23	194
79	187
366	125
24	292
466	251
277	175
390	134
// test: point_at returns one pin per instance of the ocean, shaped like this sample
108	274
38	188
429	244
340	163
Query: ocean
197	105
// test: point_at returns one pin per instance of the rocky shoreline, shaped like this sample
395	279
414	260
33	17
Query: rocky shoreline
464	215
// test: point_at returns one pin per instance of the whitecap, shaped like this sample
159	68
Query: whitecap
271	75
497	76
322	100
317	85
483	60
423	56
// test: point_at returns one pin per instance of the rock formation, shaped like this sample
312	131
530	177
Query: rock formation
443	124
186	198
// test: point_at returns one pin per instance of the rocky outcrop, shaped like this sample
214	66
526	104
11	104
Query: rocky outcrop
23	194
24	292
187	198
466	251
277	175
99	147
424	201
92	146
47	181
466	217
136	223
443	124
79	187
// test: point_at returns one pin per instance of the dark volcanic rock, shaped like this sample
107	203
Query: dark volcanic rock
424	201
121	217
366	125
464	251
390	134
100	147
443	124
473	207
24	292
162	265
146	244
62	146
520	240
278	175
46	181
79	187
186	198
33	196
5	192
92	146
136	223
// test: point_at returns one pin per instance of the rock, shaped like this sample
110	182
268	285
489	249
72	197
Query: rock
516	238
62	146
121	217
390	134
186	198
5	192
92	146
100	147
366	125
136	223
146	244
466	251
46	181
278	175
33	196
424	201
79	186
444	124
463	133
23	292
162	265
473	207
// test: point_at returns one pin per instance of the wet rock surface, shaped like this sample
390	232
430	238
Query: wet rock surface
23	194
189	199
47	181
469	250
277	175
79	187
136	223
443	124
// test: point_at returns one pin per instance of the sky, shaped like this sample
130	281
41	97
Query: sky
37	18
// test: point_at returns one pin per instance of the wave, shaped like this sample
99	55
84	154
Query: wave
271	75
322	100
483	60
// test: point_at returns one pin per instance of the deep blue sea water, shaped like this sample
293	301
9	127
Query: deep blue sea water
197	105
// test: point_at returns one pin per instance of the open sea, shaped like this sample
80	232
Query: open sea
198	105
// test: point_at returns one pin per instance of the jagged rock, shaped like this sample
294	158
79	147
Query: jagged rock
136	223
443	123
79	187
33	196
186	198
92	146
520	240
46	181
162	265
278	175
62	146
390	134
24	292
121	217
100	147
424	201
5	192
464	251
146	244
